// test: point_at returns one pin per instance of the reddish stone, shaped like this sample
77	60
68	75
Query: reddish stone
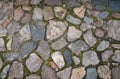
99	33
26	18
5	22
18	13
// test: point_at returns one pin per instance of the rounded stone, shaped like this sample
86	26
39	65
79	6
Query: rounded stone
90	58
104	72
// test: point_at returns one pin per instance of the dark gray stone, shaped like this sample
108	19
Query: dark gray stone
67	56
114	5
27	48
91	73
78	46
48	73
38	32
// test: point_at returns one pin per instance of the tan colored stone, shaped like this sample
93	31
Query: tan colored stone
53	65
27	8
116	15
78	73
48	13
60	12
80	11
9	44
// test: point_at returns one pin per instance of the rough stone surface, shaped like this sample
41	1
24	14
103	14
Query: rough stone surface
73	34
26	18
80	11
90	38
55	29
104	72
72	3
33	63
34	2
103	15
78	73
117	46
99	33
59	44
88	20
37	14
76	60
1	63
10	56
43	49
33	76
16	70
90	58
37	32
12	28
113	29
116	56
25	32
48	13
64	74
16	42
116	15
53	2
103	45
18	13
58	59
4	71
91	73
106	55
27	48
78	46
60	12
85	26
2	44
48	73
73	20
3	32
116	72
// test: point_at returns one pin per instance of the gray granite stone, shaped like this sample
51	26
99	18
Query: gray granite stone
90	58
59	44
43	49
48	73
116	56
103	45
78	46
116	72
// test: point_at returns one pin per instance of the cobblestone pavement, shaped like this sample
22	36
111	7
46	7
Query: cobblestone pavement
59	39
